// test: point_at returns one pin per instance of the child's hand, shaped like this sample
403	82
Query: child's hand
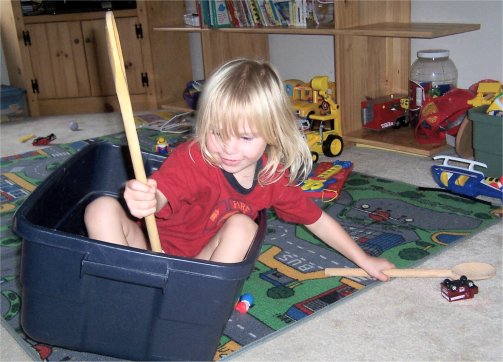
375	267
140	198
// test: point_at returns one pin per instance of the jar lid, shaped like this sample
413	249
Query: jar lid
433	53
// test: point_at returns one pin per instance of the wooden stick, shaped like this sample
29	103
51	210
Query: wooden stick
119	73
393	273
472	270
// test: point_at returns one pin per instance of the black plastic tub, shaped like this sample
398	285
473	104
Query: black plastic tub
86	295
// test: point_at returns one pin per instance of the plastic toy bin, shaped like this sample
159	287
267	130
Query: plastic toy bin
487	140
13	102
92	296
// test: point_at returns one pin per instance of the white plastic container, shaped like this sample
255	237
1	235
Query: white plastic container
432	74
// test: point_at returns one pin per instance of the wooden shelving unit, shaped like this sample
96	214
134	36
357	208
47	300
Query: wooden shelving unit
410	30
320	30
400	140
398	30
372	58
372	55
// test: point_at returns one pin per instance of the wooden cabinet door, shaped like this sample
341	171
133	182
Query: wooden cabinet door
58	60
100	72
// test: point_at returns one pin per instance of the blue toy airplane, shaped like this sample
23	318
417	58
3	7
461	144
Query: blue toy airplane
466	181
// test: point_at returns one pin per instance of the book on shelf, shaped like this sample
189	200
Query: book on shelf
274	13
264	16
220	17
241	13
284	12
203	7
256	13
233	14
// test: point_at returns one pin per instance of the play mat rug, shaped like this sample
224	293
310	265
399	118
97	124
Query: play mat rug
387	218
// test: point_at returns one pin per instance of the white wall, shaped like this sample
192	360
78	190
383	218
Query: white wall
302	56
478	55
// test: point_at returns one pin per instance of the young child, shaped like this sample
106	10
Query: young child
247	155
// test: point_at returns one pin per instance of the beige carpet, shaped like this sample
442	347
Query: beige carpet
404	319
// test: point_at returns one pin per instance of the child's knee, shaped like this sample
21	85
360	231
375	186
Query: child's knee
100	208
240	229
233	240
242	224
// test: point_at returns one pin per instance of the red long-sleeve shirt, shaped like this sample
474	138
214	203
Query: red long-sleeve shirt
201	197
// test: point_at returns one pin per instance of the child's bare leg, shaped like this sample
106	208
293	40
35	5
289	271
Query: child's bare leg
232	241
106	220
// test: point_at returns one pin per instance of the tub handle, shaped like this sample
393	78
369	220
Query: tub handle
126	275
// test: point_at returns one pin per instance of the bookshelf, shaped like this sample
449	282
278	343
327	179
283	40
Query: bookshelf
410	30
398	30
372	58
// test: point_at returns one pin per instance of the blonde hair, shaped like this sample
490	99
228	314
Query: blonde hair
252	91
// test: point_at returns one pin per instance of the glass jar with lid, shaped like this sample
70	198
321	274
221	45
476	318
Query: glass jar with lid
432	74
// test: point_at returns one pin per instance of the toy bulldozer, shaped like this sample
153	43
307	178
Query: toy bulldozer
328	142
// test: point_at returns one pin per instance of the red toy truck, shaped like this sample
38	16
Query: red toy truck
462	288
384	112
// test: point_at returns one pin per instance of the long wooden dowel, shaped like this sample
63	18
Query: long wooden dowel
119	73
393	273
472	270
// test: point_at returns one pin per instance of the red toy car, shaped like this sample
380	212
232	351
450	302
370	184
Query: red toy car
462	288
41	141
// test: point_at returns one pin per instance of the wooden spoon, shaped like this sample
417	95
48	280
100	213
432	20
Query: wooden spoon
473	271
119	73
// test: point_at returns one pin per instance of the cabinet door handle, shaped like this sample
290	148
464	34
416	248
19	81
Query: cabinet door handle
139	31
26	38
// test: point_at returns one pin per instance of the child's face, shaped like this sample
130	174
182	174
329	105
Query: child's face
238	154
